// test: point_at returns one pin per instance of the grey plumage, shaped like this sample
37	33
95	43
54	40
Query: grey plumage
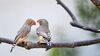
43	30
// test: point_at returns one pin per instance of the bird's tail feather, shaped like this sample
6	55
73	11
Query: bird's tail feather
12	48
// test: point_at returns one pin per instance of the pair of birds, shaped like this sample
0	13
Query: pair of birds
42	31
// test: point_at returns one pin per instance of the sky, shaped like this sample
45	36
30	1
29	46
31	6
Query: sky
13	14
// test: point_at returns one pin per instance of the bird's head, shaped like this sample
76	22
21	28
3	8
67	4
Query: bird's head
42	22
30	22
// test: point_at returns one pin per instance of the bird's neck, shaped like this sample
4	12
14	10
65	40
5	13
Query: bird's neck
28	25
44	25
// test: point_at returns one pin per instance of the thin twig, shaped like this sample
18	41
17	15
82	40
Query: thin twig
75	22
96	3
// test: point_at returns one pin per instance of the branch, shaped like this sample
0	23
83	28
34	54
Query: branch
75	22
29	45
96	3
4	40
68	45
67	9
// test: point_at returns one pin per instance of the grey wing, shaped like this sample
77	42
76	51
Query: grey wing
25	29
49	36
44	32
46	35
40	32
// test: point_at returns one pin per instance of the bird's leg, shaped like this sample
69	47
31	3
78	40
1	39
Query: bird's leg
49	44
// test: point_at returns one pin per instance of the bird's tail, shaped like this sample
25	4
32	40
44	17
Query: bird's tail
12	48
48	46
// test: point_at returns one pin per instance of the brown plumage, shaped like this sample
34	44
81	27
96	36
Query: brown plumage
21	37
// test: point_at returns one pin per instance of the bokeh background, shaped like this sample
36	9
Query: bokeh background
13	14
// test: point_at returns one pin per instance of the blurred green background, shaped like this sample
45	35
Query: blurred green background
13	14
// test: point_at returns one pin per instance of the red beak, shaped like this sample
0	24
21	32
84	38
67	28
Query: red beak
34	23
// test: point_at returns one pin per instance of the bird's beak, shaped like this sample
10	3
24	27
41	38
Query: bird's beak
34	23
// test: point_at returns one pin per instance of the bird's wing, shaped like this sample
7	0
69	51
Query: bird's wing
45	35
25	29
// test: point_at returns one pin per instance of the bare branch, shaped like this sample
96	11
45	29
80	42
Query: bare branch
75	22
67	9
4	40
69	45
29	45
96	3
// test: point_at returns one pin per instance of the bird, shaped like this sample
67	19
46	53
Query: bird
44	33
22	34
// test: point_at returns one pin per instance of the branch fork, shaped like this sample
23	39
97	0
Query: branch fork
29	45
